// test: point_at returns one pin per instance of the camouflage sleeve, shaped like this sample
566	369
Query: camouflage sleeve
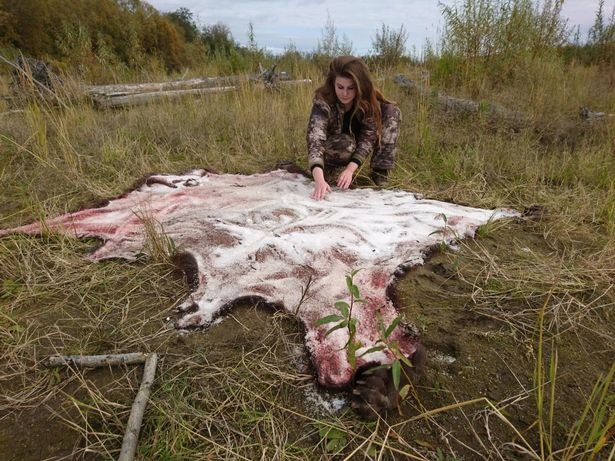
317	133
366	140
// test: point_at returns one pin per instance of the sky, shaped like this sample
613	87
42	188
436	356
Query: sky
280	23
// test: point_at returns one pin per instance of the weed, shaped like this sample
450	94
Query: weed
345	319
442	456
448	233
333	437
158	245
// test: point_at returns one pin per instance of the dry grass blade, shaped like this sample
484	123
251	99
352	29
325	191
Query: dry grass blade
244	389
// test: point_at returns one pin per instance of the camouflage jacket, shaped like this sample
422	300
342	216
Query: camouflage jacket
327	120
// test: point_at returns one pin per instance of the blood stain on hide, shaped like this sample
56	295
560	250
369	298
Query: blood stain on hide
243	232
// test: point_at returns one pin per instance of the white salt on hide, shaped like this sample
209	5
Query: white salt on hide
262	236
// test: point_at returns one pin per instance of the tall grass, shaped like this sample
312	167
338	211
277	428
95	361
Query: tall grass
240	392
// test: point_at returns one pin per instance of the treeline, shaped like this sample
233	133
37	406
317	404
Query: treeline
103	40
90	32
100	39
94	35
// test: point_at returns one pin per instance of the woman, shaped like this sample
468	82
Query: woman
350	120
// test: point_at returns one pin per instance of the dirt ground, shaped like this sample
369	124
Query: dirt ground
470	356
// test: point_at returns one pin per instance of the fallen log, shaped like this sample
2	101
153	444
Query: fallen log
515	119
134	88
590	115
95	361
122	95
103	102
131	435
465	106
294	82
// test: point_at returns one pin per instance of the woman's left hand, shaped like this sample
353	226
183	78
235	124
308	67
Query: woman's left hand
344	180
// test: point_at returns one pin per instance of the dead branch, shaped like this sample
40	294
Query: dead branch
131	436
465	106
590	115
95	361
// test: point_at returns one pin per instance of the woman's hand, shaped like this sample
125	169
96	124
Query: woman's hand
344	180
321	187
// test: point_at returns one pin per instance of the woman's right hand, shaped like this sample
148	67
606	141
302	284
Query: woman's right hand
321	187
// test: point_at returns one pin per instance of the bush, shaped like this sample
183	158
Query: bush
389	45
489	40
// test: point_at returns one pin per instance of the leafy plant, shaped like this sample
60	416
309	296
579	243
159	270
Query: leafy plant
345	320
446	231
333	437
393	347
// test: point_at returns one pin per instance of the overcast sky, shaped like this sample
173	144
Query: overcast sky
277	23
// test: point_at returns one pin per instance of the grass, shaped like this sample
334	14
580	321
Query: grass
527	306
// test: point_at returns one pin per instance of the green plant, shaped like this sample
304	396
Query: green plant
9	289
594	428
591	432
447	232
345	320
389	45
442	456
334	438
392	346
491	39
330	43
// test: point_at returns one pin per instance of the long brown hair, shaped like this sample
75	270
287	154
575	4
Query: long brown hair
368	97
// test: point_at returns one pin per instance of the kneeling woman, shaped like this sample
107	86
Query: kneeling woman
350	120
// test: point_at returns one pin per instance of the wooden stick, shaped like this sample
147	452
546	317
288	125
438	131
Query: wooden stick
131	436
94	361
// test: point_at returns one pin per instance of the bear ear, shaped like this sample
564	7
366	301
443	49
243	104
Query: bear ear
374	392
187	267
419	363
371	393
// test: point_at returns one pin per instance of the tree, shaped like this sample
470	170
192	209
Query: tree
389	45
602	31
330	45
183	18
218	40
252	45
601	37
29	25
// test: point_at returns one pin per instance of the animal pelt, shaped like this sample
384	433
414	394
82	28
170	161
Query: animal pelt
262	237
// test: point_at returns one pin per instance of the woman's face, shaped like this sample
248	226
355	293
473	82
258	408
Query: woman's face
345	90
